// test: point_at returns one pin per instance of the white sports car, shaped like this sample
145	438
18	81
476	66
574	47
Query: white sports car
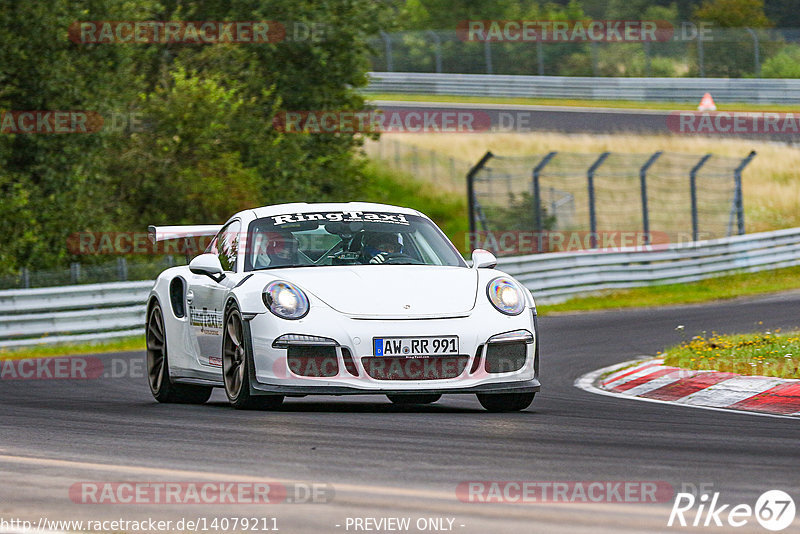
338	299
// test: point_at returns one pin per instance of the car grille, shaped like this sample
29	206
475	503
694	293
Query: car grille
437	368
316	361
505	357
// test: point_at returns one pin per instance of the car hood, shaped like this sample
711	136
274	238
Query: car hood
380	291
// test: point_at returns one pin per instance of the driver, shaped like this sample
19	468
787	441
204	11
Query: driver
380	245
281	249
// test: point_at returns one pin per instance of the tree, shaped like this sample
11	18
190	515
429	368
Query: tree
731	51
733	13
208	147
51	183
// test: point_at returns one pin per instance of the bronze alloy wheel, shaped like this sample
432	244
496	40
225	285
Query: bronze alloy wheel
161	385
236	367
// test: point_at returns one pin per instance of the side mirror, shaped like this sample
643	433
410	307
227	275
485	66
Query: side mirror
483	259
207	264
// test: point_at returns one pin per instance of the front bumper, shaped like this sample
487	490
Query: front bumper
354	337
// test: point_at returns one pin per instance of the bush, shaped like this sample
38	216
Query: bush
784	64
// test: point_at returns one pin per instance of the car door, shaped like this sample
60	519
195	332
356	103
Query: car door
206	296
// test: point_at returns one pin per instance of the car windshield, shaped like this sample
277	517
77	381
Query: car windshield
347	238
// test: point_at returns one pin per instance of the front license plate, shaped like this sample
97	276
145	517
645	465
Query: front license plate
416	346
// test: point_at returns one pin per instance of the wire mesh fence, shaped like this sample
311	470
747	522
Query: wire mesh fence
427	165
687	50
561	200
119	269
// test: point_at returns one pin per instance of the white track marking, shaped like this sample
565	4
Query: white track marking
365	493
659	382
623	373
633	376
730	391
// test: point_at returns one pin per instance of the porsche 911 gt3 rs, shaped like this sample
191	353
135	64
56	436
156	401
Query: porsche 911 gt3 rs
338	299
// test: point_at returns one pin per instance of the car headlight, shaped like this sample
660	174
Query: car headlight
506	296
285	300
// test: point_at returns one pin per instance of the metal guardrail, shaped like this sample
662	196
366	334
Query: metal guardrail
555	277
100	311
765	91
72	313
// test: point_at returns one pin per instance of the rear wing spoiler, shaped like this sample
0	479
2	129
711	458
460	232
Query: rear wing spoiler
163	233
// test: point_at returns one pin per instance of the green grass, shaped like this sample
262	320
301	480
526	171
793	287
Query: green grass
767	354
391	187
622	104
724	287
125	344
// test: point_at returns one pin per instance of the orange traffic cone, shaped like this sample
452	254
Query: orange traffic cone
707	103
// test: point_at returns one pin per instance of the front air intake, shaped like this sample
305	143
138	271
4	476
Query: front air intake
313	361
505	357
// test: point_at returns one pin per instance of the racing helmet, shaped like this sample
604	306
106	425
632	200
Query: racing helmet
378	242
281	248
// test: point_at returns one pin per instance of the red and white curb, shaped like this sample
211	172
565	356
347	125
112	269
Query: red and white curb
651	380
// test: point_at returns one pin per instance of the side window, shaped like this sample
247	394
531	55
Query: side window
227	245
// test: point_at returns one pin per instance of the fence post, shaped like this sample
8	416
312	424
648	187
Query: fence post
590	185
540	56
693	192
26	278
647	69
437	49
537	193
74	272
737	176
643	184
487	53
756	59
700	58
387	41
122	269
471	190
595	67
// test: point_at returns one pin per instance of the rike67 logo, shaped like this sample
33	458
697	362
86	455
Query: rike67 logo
774	510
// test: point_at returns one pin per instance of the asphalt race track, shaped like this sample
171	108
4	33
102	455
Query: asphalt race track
518	118
382	460
567	119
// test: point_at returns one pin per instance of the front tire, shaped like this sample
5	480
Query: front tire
236	367
422	398
161	386
505	402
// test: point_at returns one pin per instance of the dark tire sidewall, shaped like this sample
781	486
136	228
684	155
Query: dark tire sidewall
505	402
162	394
